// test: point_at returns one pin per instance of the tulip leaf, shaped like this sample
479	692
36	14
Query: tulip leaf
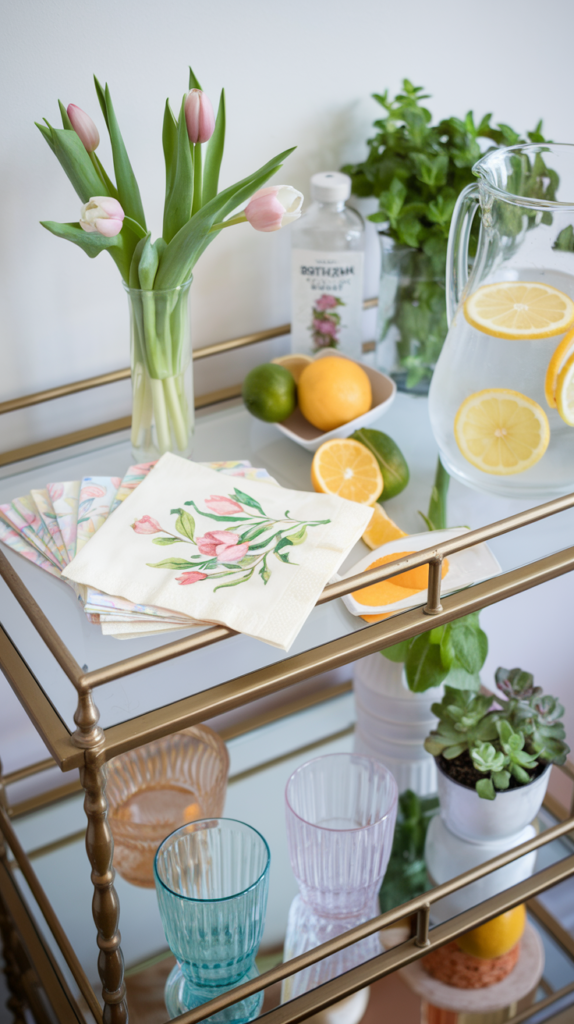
47	133
193	82
167	540
70	151
102	101
93	243
129	193
214	154
134	281
185	523
177	210
169	143
66	123
148	264
191	241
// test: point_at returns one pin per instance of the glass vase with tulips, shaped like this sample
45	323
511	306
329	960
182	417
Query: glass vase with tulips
157	274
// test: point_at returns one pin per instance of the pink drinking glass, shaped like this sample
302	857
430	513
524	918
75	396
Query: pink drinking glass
341	811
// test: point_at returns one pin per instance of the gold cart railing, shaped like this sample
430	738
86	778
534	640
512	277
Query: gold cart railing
89	747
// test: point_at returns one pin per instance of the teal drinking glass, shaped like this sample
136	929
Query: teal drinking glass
212	880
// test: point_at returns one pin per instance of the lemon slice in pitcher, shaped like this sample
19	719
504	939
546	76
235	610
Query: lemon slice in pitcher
565	392
560	357
518	310
501	431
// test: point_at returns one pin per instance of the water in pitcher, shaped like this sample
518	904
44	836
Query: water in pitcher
474	361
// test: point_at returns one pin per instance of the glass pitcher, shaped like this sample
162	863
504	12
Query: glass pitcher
501	399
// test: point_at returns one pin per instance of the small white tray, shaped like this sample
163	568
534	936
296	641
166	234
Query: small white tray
298	429
465	568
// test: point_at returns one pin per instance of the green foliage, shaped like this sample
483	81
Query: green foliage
417	170
406	874
455	653
508	740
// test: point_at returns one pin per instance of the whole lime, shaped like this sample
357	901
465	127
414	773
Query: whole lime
392	462
269	392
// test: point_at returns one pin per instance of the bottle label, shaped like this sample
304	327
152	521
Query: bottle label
327	301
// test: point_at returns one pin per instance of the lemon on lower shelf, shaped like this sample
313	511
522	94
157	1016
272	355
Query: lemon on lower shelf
501	431
495	937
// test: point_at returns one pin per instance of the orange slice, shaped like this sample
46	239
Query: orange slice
381	529
399	587
501	431
519	310
559	359
345	467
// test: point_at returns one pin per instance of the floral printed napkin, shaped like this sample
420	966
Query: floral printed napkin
189	540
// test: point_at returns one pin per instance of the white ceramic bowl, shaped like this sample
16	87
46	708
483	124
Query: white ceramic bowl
298	429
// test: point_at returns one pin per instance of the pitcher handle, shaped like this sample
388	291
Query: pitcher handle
457	251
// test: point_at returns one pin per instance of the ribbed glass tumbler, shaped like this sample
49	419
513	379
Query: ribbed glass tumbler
341	811
212	879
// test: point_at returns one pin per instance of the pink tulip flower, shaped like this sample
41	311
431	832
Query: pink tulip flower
84	127
102	214
199	116
222	545
274	207
325	302
146	525
222	506
190	577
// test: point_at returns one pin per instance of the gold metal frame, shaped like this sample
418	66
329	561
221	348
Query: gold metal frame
89	747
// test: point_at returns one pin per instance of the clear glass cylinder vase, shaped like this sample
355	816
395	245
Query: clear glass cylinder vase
162	372
411	320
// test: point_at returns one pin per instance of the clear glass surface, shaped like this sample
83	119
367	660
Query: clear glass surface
154	789
523	237
212	880
162	373
341	811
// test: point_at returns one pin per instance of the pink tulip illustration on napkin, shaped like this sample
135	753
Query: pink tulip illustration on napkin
326	322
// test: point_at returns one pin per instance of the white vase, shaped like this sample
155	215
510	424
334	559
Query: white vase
393	722
469	816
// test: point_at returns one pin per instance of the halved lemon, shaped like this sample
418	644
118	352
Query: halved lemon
565	392
519	310
381	529
295	363
347	468
501	431
559	359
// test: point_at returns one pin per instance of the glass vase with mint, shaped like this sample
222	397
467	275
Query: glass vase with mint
157	274
416	170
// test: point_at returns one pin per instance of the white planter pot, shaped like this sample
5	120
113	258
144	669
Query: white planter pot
448	855
393	722
468	816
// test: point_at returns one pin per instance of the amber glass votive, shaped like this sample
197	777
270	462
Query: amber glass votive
155	789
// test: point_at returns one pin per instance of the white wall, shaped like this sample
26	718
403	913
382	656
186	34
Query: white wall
298	73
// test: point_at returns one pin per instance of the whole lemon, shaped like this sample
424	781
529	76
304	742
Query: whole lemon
269	392
333	391
496	937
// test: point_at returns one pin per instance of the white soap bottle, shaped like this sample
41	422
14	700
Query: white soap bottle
327	271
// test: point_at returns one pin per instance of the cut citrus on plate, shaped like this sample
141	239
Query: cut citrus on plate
347	468
501	431
398	587
519	310
565	392
559	359
381	529
295	363
496	937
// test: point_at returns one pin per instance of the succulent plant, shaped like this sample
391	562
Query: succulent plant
509	739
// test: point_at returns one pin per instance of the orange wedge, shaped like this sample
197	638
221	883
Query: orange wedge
381	529
399	587
345	467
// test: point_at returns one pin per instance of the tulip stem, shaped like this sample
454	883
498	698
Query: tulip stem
174	408
240	219
160	415
197	178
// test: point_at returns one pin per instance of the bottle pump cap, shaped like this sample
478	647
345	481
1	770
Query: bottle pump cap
330	187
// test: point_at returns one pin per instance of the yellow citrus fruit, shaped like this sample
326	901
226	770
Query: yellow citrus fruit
381	529
333	391
565	392
519	310
295	363
347	468
501	431
559	359
496	937
398	587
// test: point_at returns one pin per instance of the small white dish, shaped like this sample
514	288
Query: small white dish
465	568
298	429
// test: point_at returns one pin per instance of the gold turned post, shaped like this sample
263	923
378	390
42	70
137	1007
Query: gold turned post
100	850
9	941
433	605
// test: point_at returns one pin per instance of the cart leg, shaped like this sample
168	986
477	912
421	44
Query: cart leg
10	944
105	904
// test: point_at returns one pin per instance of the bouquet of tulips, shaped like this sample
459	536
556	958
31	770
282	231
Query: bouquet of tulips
157	273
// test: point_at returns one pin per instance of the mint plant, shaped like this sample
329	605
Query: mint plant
508	741
454	653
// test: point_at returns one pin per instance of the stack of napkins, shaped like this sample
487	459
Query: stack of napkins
191	545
